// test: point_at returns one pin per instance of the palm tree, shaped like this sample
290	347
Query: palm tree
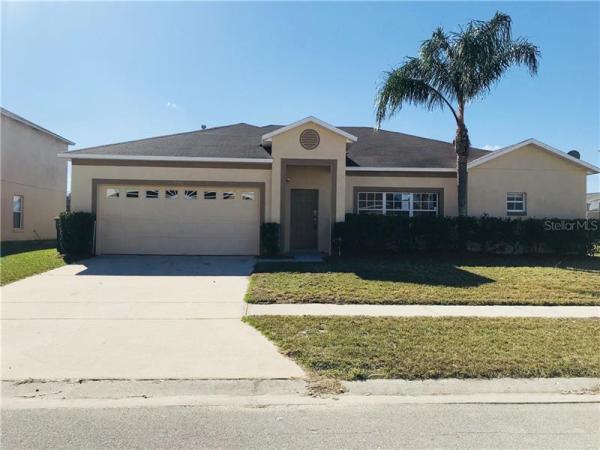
452	70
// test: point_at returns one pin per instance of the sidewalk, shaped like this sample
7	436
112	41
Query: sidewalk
319	309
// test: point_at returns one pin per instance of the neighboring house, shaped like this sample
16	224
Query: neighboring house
593	205
34	179
207	191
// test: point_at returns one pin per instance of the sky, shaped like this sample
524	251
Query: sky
106	72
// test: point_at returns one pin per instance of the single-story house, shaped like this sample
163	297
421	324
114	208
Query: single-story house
208	191
33	179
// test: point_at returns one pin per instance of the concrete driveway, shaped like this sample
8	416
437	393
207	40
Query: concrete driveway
136	317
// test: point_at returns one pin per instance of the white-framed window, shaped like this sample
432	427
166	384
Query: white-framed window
132	193
210	195
247	195
398	203
151	193
18	212
191	194
171	194
228	195
516	203
112	193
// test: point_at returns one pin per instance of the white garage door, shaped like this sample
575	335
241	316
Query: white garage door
177	220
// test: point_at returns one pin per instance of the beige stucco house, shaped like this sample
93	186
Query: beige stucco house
34	179
208	191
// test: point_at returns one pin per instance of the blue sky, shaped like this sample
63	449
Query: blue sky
106	72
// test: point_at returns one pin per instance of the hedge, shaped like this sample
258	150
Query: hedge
269	239
392	235
75	234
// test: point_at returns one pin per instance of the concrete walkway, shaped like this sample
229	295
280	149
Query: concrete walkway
136	317
319	309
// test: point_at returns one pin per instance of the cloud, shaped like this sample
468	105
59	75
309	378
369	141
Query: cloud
172	105
490	147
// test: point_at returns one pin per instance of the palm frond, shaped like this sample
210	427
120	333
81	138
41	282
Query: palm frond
456	67
485	51
406	85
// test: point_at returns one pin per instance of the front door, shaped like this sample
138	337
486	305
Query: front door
304	219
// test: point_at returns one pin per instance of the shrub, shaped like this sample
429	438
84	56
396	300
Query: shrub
392	235
76	234
269	239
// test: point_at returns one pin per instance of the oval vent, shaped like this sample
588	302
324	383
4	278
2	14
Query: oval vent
309	139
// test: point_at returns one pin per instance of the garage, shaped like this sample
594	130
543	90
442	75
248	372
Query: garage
177	219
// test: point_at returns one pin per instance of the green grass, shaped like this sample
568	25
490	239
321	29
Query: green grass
351	348
439	279
23	259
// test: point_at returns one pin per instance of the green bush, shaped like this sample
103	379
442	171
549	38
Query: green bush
269	239
76	234
393	235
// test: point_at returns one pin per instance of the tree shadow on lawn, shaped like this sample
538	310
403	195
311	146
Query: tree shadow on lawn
432	269
14	247
439	274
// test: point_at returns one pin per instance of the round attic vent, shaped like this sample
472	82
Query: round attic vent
309	139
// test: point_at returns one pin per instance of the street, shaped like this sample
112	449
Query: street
332	425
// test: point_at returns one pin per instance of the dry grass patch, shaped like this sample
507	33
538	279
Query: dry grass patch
352	348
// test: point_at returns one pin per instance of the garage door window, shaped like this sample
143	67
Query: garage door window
152	193
132	194
228	195
171	193
248	196
112	193
210	195
191	195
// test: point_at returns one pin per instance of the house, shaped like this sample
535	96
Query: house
593	205
34	179
208	191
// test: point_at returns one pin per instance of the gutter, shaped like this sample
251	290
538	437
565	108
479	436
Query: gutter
399	169
69	155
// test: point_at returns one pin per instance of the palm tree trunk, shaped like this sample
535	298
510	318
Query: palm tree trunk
461	145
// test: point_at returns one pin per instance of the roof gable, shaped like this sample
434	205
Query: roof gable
310	119
13	116
554	151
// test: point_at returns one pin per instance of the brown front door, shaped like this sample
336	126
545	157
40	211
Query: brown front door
304	219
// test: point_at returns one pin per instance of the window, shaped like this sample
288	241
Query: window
516	204
370	202
210	195
424	204
191	195
132	193
398	203
112	193
152	193
248	196
228	195
171	193
18	212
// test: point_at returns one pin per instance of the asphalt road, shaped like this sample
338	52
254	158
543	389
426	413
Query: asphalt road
333	425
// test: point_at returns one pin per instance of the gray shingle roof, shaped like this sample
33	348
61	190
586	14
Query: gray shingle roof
373	149
392	149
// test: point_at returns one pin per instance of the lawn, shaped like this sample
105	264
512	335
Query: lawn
23	259
440	279
351	348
